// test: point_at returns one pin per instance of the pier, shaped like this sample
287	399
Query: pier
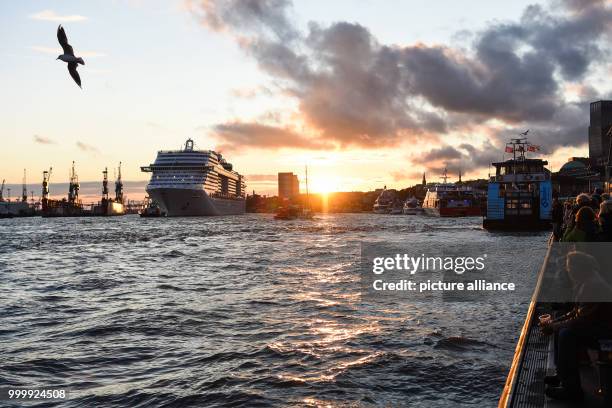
534	354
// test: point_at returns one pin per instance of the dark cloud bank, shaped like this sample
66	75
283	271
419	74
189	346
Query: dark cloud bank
353	91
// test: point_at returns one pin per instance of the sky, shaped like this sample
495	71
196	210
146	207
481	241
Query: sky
365	92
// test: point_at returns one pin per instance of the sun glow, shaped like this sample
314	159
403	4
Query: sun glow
322	186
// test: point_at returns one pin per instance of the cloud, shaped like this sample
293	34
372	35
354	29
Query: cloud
43	140
351	90
240	135
58	51
86	147
50	15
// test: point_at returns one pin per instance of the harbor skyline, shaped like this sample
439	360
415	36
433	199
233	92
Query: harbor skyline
230	95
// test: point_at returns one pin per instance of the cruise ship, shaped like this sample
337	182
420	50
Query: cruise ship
192	182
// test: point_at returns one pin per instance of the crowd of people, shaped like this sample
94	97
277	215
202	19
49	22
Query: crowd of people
588	218
588	319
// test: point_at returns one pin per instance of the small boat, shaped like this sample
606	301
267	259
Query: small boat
411	207
151	209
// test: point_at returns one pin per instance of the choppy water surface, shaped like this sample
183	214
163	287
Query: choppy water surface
244	310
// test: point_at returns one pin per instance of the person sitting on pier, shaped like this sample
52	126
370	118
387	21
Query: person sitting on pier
590	319
585	229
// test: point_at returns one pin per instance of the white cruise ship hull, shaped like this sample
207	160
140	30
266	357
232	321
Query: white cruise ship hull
179	202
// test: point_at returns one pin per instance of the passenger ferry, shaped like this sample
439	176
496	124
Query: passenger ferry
192	182
451	200
520	192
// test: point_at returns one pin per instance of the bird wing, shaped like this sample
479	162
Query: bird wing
72	68
63	40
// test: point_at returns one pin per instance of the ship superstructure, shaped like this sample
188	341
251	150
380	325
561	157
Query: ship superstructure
520	192
191	182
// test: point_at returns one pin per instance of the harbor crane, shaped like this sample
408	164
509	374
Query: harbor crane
2	191
45	185
24	190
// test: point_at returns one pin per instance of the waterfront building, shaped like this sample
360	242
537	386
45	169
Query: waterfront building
288	186
599	127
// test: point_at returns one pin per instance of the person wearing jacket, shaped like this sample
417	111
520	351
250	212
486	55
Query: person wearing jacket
585	228
605	220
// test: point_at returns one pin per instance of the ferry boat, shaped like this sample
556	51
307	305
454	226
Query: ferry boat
192	182
520	192
384	202
451	200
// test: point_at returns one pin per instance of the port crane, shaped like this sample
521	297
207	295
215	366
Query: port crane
119	186
74	187
2	191
24	190
45	185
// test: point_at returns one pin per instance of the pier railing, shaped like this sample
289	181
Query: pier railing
505	400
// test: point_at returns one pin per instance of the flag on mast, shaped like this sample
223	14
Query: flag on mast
533	148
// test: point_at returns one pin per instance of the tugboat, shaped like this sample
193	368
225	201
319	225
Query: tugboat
520	192
151	209
451	200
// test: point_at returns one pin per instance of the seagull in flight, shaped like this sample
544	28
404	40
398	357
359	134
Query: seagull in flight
68	55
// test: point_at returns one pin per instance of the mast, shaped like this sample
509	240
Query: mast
444	175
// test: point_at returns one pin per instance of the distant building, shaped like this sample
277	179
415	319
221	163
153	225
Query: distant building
599	138
288	185
576	176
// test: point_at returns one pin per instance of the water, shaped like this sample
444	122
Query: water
241	311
